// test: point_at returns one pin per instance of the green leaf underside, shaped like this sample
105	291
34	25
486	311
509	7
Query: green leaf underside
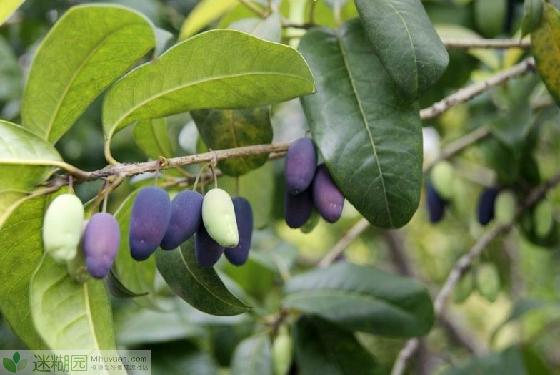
68	314
363	299
405	41
322	347
87	49
199	287
545	42
231	128
153	138
217	69
368	133
253	357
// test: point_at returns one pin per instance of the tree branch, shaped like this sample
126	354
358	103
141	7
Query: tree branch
337	250
453	43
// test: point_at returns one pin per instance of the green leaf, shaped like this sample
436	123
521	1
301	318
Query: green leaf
7	8
520	309
152	137
231	128
199	287
253	357
10	73
269	28
405	42
205	12
368	133
9	365
325	348
510	362
532	15
89	48
16	357
20	237
209	70
545	42
363	299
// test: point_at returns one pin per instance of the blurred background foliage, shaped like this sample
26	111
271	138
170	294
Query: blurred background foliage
520	322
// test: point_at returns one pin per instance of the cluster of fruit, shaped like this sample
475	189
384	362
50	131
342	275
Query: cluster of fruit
309	186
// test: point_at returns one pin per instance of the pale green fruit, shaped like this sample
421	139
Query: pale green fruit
282	353
505	207
218	215
488	281
543	217
311	223
442	177
62	227
464	288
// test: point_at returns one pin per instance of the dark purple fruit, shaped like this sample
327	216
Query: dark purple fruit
148	222
328	200
186	216
207	250
298	208
300	165
435	204
244	215
101	243
487	205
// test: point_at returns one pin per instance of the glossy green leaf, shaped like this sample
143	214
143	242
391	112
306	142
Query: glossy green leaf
405	42
368	133
545	42
253	357
68	314
7	8
532	15
231	128
269	28
89	48
20	239
153	138
205	12
199	287
363	299
215	69
325	348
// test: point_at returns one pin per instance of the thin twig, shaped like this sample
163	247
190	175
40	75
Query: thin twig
455	43
344	242
254	8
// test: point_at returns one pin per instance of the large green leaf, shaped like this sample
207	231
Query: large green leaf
7	7
369	134
68	314
324	348
88	48
231	128
25	161
152	137
253	357
215	69
405	41
364	299
199	287
546	48
205	12
22	247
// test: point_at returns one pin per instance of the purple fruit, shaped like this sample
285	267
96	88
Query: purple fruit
244	216
435	204
148	222
101	243
207	250
298	208
328	200
486	205
300	165
186	216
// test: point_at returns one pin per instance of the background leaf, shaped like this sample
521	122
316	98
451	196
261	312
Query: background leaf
7	8
363	299
88	49
369	135
253	357
405	42
545	42
153	138
205	12
269	28
532	15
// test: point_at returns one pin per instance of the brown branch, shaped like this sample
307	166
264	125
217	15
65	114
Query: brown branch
349	237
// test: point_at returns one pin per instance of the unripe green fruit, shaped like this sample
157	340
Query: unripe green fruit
464	288
62	227
505	207
543	218
311	223
488	282
218	215
442	177
282	353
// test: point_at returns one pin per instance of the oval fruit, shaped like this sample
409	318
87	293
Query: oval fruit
186	215
435	204
62	227
328	200
488	281
218	215
244	216
207	251
505	207
464	288
300	165
282	352
101	243
148	222
298	208
311	223
442	177
543	218
486	205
